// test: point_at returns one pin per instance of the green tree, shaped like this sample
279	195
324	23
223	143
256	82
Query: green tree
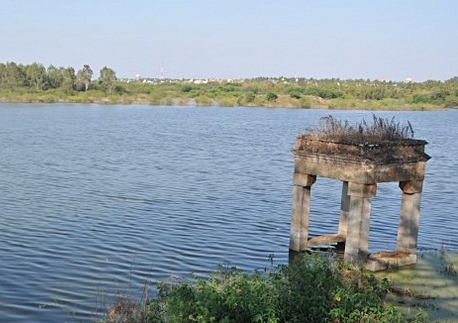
107	79
69	81
15	75
84	77
35	75
2	74
55	77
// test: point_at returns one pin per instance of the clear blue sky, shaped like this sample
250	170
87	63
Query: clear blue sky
375	39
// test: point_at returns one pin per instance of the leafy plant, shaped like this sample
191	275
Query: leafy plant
313	288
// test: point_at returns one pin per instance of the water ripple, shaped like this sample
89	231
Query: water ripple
97	200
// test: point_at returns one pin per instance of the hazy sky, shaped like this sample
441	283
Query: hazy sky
375	39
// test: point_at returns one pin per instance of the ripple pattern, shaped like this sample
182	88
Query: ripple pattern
98	200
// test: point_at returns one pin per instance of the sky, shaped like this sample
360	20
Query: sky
345	39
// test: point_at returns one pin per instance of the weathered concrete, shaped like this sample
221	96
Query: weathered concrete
409	217
360	168
344	209
301	211
325	240
357	241
389	259
339	168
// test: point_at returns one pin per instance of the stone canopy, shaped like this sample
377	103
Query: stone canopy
360	166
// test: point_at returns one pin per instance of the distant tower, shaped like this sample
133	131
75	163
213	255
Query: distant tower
162	71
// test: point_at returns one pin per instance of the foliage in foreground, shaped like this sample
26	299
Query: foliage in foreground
311	289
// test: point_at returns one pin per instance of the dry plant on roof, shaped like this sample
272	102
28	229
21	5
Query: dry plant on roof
381	130
383	141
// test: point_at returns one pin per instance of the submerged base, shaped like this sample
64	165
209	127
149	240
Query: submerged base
326	240
377	261
389	259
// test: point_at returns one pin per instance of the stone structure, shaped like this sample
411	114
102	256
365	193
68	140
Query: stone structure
360	167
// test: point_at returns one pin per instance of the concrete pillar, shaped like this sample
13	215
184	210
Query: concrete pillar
357	242
344	208
302	184
409	216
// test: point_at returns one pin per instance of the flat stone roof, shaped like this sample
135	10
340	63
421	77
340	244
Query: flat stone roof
367	163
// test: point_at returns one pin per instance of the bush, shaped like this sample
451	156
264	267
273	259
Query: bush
312	289
324	93
295	95
420	98
119	89
439	96
271	96
305	103
186	88
246	98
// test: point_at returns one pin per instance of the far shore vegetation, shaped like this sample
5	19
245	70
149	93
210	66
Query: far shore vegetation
35	83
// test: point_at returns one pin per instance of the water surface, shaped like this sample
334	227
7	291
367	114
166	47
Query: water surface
97	200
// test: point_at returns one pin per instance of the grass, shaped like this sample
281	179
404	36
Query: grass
380	130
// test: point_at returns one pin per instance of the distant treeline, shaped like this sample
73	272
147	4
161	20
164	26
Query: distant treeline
36	83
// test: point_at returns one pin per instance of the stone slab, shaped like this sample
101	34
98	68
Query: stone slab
362	172
325	240
389	259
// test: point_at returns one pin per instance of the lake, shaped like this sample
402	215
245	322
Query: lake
98	201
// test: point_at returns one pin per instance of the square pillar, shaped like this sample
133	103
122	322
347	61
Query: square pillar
301	211
344	208
409	216
357	242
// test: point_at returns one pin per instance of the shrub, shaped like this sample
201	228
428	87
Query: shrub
312	289
324	93
419	98
295	95
271	96
186	88
246	98
305	103
439	96
119	89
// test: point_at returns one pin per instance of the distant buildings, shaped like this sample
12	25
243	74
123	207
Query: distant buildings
160	80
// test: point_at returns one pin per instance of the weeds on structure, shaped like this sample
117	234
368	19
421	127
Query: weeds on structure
379	131
384	141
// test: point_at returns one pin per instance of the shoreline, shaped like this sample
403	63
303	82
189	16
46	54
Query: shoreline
179	103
